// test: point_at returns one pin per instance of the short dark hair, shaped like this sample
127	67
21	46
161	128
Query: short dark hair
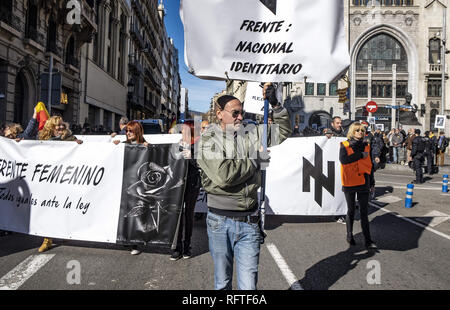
335	117
417	131
223	100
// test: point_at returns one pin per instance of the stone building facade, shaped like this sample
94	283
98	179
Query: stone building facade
395	48
145	60
30	32
104	67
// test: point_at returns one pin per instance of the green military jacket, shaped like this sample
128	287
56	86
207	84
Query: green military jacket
229	164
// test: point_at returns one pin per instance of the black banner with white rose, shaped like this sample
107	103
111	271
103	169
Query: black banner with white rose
126	194
152	195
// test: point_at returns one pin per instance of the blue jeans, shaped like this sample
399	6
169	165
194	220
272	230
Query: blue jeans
229	239
396	149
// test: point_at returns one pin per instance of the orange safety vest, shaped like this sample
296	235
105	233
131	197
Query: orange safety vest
353	174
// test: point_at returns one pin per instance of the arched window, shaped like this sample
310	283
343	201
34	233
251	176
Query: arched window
32	19
433	114
382	51
6	9
52	36
71	58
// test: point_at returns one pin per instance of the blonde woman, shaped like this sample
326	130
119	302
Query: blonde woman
357	180
55	129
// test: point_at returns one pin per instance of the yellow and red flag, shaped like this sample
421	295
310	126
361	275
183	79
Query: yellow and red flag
42	114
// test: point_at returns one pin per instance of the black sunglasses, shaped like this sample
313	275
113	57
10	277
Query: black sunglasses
358	130
235	113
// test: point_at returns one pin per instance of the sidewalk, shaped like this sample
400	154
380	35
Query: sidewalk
442	170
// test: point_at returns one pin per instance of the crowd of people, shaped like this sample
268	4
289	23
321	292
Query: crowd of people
233	219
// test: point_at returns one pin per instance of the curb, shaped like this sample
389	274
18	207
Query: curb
398	167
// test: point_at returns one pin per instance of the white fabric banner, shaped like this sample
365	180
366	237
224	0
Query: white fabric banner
292	167
304	177
152	139
74	187
265	40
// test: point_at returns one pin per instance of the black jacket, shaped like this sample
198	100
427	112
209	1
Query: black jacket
418	147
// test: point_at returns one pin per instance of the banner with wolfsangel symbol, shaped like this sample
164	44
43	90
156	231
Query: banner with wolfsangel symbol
265	40
123	194
304	177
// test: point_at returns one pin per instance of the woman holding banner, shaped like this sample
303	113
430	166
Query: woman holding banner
135	135
357	179
183	247
57	130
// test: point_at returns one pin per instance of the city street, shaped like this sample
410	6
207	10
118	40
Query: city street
299	252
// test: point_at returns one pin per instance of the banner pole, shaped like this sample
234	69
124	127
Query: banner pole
263	172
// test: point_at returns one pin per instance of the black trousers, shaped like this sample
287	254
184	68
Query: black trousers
418	161
363	199
429	162
187	218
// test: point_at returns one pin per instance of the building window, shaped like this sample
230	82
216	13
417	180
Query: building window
381	89
382	51
71	58
401	89
361	89
309	91
32	19
434	50
52	36
321	89
434	88
333	89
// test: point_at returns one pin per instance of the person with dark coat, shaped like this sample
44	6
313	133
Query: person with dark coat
357	180
418	155
378	151
429	154
442	144
193	184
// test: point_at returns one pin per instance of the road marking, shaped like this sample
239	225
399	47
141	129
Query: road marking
22	272
411	221
437	218
285	270
404	187
389	199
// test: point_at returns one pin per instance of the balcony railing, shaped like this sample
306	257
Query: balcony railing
134	64
71	60
137	35
435	68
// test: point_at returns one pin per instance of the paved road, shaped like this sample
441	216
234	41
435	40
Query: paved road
299	253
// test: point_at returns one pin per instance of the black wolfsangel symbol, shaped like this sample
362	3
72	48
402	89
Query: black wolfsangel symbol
316	172
271	5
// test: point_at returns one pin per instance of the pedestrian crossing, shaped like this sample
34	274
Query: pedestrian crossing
25	270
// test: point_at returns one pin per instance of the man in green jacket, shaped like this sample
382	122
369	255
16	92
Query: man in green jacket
231	158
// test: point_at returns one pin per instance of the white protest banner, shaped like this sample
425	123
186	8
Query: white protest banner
440	121
152	139
254	101
105	193
265	40
61	189
304	177
299	181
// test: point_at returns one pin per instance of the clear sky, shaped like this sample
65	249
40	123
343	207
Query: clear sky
200	91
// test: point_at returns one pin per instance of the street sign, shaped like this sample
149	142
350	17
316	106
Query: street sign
371	107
